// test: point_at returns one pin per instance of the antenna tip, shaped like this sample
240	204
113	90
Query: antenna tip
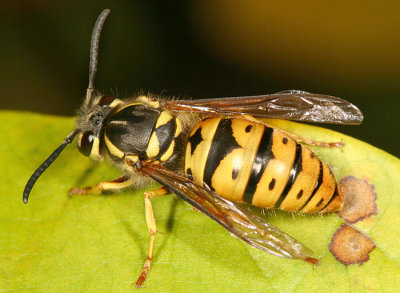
105	12
25	199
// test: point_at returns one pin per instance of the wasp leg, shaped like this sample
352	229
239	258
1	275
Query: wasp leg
113	185
151	225
321	144
295	137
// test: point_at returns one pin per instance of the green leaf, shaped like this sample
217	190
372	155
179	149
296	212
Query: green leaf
58	243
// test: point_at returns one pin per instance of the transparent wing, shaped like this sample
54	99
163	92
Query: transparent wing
236	219
290	105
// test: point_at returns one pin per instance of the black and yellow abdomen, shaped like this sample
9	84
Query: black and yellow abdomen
247	161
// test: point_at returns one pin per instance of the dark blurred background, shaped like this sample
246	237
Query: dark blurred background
205	48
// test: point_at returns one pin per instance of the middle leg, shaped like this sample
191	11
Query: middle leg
151	225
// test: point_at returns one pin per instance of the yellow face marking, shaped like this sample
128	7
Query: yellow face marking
164	118
178	129
169	152
113	149
153	148
95	152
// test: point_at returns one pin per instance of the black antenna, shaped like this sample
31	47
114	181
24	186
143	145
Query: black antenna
39	171
94	50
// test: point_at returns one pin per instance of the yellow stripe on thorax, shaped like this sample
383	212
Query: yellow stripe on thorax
169	152
178	129
115	103
153	148
113	149
128	105
164	118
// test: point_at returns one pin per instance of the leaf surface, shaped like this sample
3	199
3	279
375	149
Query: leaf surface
58	243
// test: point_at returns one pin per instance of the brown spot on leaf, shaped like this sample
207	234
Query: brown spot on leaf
358	199
350	246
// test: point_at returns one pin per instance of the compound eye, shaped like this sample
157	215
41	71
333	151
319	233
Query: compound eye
105	100
86	143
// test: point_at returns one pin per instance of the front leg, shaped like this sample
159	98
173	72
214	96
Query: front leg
114	185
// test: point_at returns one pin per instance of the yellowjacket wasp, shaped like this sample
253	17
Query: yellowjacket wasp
214	154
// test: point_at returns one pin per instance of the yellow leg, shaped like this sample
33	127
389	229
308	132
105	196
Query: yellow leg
321	144
295	137
114	185
151	225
